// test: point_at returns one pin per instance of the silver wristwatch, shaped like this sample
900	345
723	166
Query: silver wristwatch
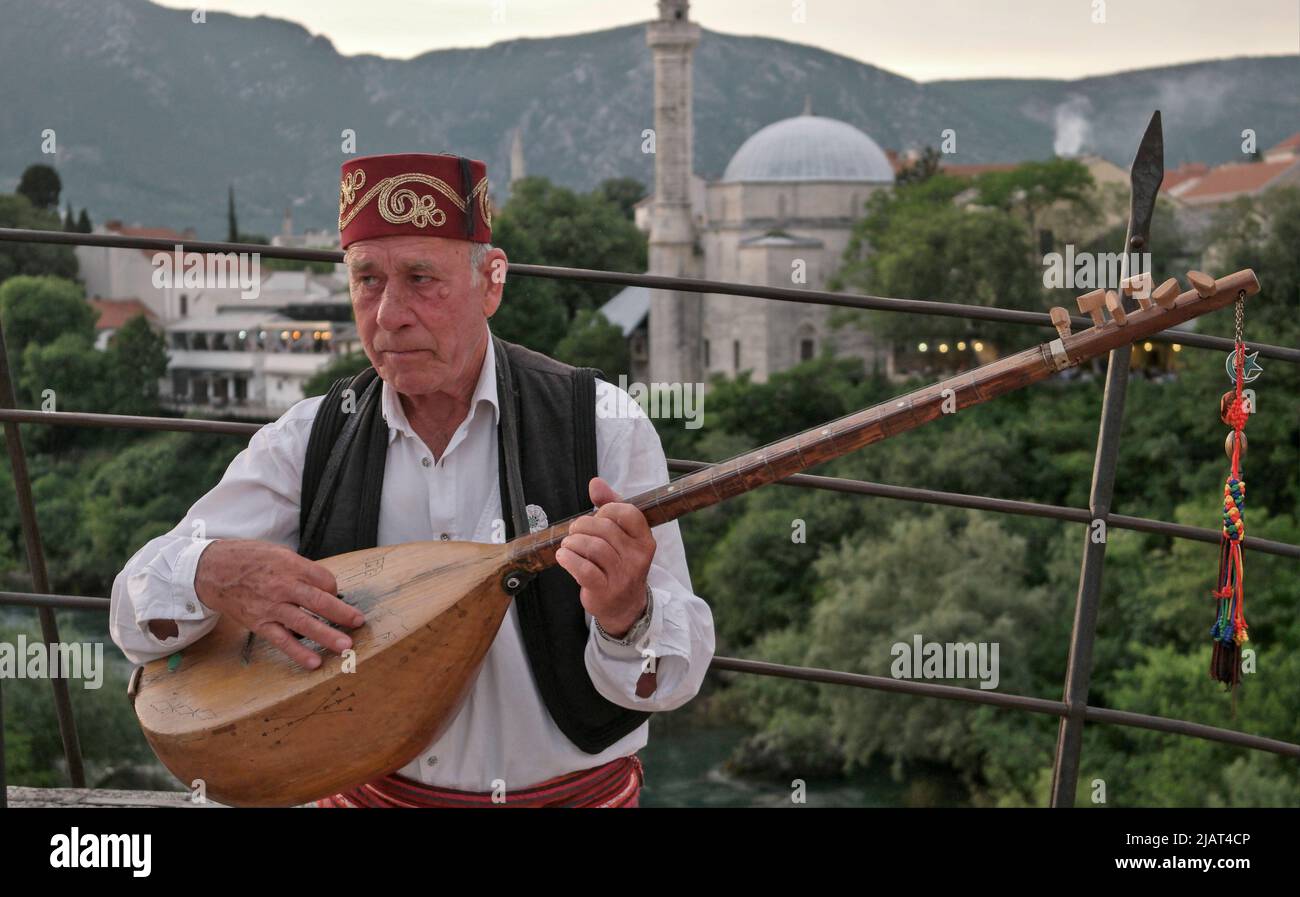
638	628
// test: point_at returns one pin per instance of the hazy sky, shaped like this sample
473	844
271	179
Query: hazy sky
922	39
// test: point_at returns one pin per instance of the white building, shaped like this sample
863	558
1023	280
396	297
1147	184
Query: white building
228	353
248	363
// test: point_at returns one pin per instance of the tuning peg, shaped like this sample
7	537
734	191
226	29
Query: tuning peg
1139	286
1116	307
1166	293
1092	304
1202	283
1061	321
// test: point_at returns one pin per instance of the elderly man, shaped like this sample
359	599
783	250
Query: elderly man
413	449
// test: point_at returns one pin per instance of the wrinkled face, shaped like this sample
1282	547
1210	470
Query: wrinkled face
419	315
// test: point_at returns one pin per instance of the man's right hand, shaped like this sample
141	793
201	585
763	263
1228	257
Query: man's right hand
270	590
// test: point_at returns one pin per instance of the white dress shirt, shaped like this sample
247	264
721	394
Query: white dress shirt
502	730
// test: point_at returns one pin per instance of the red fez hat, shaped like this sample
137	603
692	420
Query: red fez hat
415	194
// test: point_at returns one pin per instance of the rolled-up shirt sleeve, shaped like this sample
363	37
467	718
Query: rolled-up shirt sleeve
679	642
257	498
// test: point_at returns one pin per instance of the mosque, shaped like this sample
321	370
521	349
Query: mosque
781	215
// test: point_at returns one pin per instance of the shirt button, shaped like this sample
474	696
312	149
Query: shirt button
444	537
190	607
425	461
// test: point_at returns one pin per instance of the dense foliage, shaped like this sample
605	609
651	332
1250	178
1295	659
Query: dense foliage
807	576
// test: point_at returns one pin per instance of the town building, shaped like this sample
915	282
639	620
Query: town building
231	351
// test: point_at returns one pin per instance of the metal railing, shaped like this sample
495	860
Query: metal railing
1073	710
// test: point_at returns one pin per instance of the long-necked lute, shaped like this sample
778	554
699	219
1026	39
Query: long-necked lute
258	729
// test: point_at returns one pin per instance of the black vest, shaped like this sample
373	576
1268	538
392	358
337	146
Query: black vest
547	415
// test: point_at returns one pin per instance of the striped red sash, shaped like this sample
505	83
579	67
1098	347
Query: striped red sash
614	784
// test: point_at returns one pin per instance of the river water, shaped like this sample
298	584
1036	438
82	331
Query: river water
685	767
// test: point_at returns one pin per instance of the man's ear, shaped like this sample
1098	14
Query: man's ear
495	265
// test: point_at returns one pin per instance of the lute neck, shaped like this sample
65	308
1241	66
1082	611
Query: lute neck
794	454
536	551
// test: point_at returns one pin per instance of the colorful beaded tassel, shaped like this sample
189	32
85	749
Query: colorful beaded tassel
1229	630
1230	627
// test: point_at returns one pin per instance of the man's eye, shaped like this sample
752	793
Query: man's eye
421	278
369	280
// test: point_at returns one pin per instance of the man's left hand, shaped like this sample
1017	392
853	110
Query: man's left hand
609	554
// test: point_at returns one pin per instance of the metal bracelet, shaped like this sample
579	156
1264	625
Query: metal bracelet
638	628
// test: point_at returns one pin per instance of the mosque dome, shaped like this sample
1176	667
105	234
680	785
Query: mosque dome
810	148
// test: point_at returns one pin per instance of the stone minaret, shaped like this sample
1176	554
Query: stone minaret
676	340
517	156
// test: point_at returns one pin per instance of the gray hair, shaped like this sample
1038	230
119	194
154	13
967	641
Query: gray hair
477	256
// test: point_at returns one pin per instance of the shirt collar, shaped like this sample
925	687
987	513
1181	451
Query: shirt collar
484	391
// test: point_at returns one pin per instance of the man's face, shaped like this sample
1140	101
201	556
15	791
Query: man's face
419	316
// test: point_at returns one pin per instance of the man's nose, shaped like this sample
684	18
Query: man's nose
394	308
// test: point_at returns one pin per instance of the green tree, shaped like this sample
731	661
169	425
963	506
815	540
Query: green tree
532	311
136	359
41	309
923	168
32	258
70	369
792	400
143	491
1031	187
547	224
922	246
624	193
594	341
232	223
114	750
41	185
83	223
873	595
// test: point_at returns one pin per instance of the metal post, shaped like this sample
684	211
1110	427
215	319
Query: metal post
4	788
36	562
1145	176
1078	677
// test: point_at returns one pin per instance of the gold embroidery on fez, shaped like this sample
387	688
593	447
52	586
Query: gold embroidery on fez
351	183
484	206
393	205
405	205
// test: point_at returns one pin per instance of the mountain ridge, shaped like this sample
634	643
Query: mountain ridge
156	116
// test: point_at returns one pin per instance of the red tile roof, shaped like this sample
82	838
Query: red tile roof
157	233
1227	181
899	161
113	313
1291	143
154	233
1183	173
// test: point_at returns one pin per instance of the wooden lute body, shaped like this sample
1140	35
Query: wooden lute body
260	730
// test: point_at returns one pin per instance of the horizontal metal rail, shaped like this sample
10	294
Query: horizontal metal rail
1010	506
1011	702
833	484
860	680
656	281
